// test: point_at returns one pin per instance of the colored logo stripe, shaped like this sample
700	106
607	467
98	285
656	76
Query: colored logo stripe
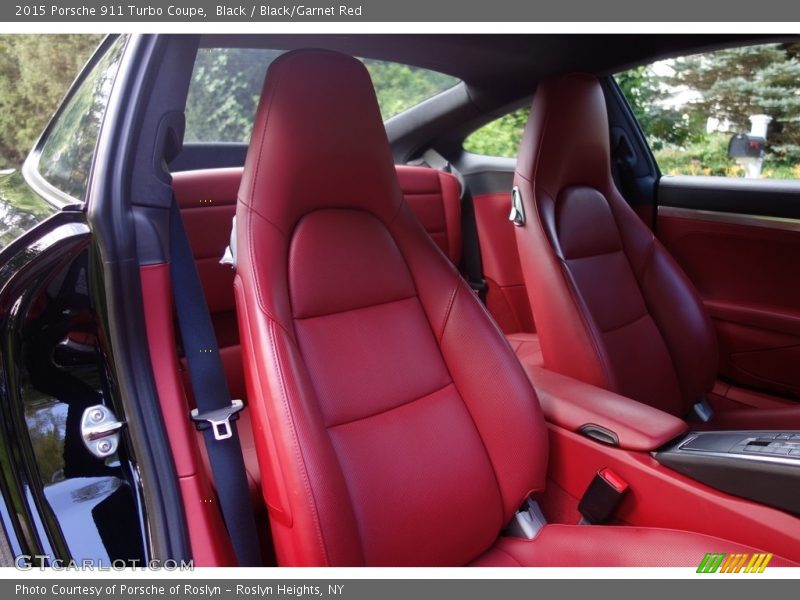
710	563
758	563
734	563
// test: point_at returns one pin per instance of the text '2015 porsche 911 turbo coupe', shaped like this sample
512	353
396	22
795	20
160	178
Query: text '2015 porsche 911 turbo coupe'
421	300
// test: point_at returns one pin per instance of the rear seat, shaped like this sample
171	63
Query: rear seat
207	200
435	199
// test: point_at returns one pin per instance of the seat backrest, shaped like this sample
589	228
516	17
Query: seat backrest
207	199
612	308
393	423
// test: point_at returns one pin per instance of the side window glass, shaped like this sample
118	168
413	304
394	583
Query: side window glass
67	153
400	87
226	86
500	137
731	113
224	91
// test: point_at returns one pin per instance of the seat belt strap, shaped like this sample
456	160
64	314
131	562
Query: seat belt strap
215	413
471	265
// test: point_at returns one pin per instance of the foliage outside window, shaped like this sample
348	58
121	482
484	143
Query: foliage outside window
69	148
400	87
500	137
690	107
226	84
224	91
35	73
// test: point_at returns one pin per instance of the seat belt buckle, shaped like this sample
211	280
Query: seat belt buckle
601	498
218	419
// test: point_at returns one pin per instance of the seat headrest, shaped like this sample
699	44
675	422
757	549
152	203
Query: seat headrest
566	140
318	142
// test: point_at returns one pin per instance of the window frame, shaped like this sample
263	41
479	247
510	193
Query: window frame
30	168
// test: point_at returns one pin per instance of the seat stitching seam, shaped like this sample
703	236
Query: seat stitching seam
464	404
357	308
251	253
390	409
631	322
578	302
610	252
646	264
263	132
296	446
208	207
509	555
449	310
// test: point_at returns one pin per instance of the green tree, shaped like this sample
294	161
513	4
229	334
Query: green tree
500	137
226	85
738	82
648	95
399	87
223	95
35	73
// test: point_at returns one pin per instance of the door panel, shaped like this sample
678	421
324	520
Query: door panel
778	198
744	260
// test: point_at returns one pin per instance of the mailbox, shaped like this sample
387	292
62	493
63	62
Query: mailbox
744	145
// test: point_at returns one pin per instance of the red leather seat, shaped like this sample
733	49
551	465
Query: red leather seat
207	199
393	423
612	308
435	198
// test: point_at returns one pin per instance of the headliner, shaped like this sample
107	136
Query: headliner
509	60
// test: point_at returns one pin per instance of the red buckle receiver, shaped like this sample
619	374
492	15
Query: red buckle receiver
601	498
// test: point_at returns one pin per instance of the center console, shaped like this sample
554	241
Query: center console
739	485
763	466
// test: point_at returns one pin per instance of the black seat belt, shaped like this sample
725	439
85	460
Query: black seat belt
471	265
215	413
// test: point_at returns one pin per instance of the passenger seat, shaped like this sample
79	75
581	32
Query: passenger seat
612	307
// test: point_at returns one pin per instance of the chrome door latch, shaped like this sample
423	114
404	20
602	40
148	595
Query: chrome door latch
100	430
517	215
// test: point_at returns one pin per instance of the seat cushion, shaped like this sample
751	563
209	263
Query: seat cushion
610	546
